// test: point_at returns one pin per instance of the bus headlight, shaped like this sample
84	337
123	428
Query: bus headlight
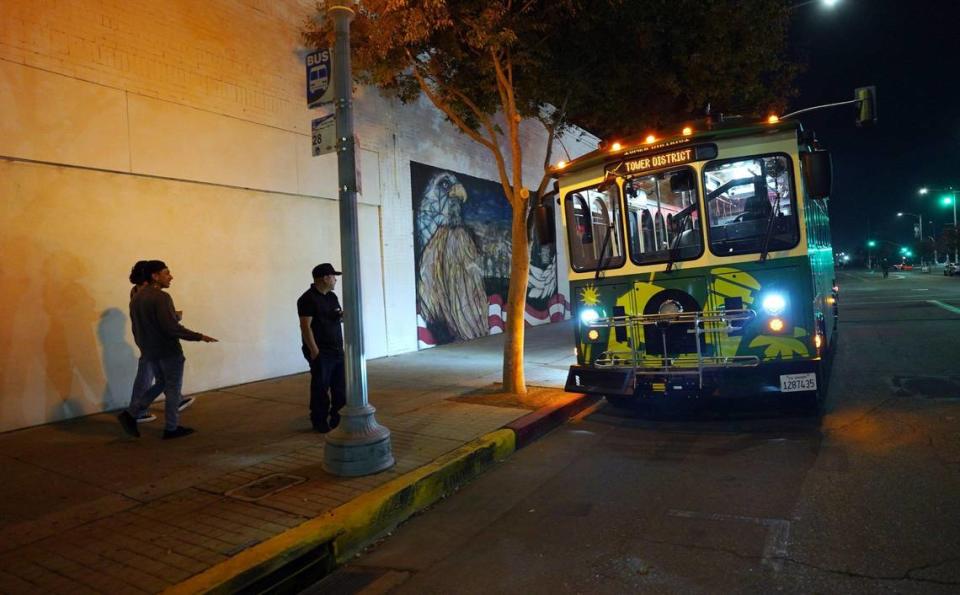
589	315
773	303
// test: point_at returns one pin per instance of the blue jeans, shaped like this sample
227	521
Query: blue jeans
168	372
144	386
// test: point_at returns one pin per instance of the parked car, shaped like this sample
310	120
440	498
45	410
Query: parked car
903	266
950	269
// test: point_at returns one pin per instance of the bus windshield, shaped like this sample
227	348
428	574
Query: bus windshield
751	205
654	221
593	225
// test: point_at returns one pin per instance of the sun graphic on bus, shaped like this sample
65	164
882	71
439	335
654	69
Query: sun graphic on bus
590	296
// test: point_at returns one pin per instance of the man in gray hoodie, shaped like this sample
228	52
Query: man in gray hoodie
158	333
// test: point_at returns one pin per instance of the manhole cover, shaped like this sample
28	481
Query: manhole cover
265	486
927	387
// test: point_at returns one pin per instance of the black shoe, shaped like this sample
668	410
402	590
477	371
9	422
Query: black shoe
178	433
129	424
322	428
334	421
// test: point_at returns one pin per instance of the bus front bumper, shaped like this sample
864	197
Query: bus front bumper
722	383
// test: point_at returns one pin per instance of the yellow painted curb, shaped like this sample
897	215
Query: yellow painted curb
355	524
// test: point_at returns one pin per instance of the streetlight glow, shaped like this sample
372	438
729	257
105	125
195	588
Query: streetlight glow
922	191
946	200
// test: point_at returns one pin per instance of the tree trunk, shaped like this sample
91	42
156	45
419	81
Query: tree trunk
514	380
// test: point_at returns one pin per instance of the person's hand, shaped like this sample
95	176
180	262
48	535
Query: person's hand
207	339
314	354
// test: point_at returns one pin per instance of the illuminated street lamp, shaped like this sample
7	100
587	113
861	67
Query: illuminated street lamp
824	3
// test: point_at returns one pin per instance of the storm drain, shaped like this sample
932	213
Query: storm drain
265	486
927	387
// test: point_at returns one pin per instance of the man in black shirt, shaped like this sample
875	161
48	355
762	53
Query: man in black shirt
322	335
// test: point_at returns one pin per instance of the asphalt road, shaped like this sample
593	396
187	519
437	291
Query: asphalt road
744	499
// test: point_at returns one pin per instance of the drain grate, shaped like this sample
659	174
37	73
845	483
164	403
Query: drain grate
927	387
265	486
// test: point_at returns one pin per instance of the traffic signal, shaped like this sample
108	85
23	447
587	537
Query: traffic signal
871	244
866	98
946	200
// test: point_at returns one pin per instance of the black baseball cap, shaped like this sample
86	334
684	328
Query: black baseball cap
322	270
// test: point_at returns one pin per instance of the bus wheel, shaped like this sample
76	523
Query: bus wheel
812	404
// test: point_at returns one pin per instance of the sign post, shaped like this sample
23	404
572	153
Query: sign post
359	445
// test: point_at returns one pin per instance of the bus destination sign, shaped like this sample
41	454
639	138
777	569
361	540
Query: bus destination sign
632	166
645	163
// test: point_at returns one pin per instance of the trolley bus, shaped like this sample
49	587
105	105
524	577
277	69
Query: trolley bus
701	265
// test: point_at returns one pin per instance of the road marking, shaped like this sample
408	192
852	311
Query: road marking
919	290
864	303
778	533
947	307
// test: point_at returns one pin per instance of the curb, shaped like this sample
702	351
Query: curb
321	544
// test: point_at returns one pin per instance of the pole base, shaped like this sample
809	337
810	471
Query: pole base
359	445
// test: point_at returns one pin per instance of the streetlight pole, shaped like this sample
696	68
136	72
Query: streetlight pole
920	221
359	445
956	232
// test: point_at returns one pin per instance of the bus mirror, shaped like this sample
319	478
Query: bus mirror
866	98
817	173
543	219
681	181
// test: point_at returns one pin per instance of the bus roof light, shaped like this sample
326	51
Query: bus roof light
687	131
651	139
561	164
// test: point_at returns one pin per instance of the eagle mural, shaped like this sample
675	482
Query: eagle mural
463	252
450	292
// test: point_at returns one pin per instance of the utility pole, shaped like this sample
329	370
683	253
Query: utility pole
359	445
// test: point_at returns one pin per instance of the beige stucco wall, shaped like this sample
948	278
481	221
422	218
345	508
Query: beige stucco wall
178	130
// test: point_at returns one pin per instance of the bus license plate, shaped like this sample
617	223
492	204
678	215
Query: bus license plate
791	383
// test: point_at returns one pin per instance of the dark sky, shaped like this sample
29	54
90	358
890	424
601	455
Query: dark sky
909	49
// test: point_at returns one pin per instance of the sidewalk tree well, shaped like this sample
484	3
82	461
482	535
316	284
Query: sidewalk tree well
489	64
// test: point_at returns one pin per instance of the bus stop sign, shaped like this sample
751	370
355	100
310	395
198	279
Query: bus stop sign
319	88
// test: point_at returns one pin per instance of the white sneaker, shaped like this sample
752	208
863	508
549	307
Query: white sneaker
186	402
146	417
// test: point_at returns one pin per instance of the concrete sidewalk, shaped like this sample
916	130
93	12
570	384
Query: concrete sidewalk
84	509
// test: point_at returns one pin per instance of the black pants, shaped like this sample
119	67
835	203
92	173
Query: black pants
327	381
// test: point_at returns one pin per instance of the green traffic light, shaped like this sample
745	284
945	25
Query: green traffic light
871	243
946	199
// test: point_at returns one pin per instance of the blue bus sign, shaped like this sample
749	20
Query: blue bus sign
319	88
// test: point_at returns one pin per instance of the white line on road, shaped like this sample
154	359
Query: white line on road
916	300
946	307
778	533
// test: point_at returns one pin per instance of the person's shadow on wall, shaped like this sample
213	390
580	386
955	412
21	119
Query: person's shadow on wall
119	358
